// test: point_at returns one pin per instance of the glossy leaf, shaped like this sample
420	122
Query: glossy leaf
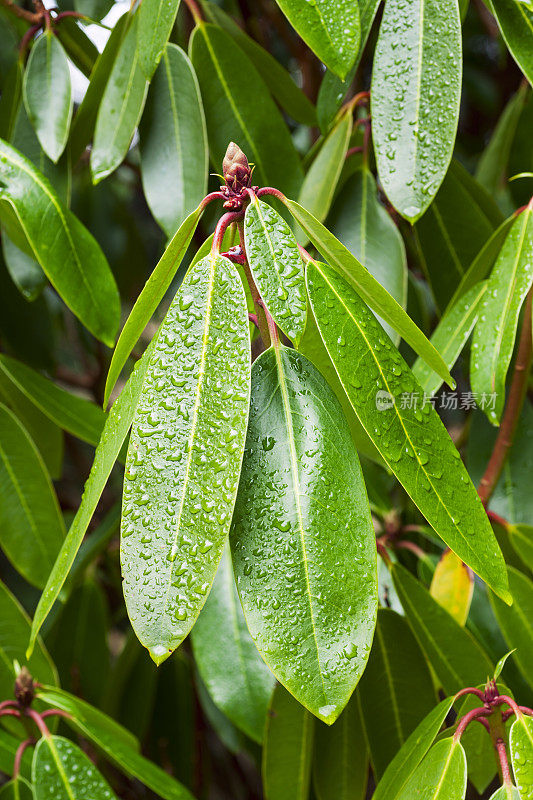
450	336
32	528
456	657
94	9
516	621
482	767
515	20
452	586
505	793
120	108
492	167
416	89
406	761
237	679
61	771
68	254
113	436
440	776
170	557
17	789
521	747
495	333
332	30
80	49
361	223
24	270
277	267
48	93
368	287
340	760
288	749
396	690
376	378
156	20
289	539
238	108
521	538
174	159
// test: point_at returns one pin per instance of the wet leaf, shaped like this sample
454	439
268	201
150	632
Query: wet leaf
440	776
521	747
516	621
515	20
416	89
289	540
452	586
340	760
156	20
61	771
170	550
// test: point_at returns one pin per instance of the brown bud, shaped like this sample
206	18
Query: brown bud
236	169
24	688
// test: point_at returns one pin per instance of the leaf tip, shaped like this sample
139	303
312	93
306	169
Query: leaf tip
159	653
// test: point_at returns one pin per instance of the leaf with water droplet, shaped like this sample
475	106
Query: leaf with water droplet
185	455
521	747
416	91
156	20
277	267
302	540
516	621
452	586
61	771
406	430
441	775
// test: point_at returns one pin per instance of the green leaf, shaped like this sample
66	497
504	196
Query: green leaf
396	690
478	747
80	49
94	9
48	93
228	662
521	747
30	517
169	559
239	108
279	81
413	751
516	621
320	182
153	292
288	749
521	538
331	30
362	224
515	20
68	254
340	760
495	332
501	663
17	789
24	270
416	90
115	743
440	776
72	413
289	540
61	771
10	99
492	167
277	267
505	793
450	336
456	657
156	20
174	158
368	287
120	108
407	432
453	230
113	435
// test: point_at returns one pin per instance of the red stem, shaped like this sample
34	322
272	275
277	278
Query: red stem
55	712
41	724
223	223
20	752
272	191
465	721
504	762
469	690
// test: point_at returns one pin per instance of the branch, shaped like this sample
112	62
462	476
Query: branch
30	16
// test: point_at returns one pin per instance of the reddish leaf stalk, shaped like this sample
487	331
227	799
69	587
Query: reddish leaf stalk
504	762
220	230
262	321
194	8
20	752
465	721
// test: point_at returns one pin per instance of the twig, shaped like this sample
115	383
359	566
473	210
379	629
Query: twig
33	17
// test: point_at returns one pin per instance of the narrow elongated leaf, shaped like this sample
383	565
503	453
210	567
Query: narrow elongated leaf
174	158
113	436
120	109
48	93
238	108
495	333
301	522
450	336
156	19
68	254
332	30
17	789
521	746
396	690
237	679
405	430
521	538
368	287
150	297
277	267
61	771
492	166
80	49
515	20
288	749
340	760
70	412
32	528
452	586
516	621
24	270
456	657
10	99
361	223
170	555
416	89
440	776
